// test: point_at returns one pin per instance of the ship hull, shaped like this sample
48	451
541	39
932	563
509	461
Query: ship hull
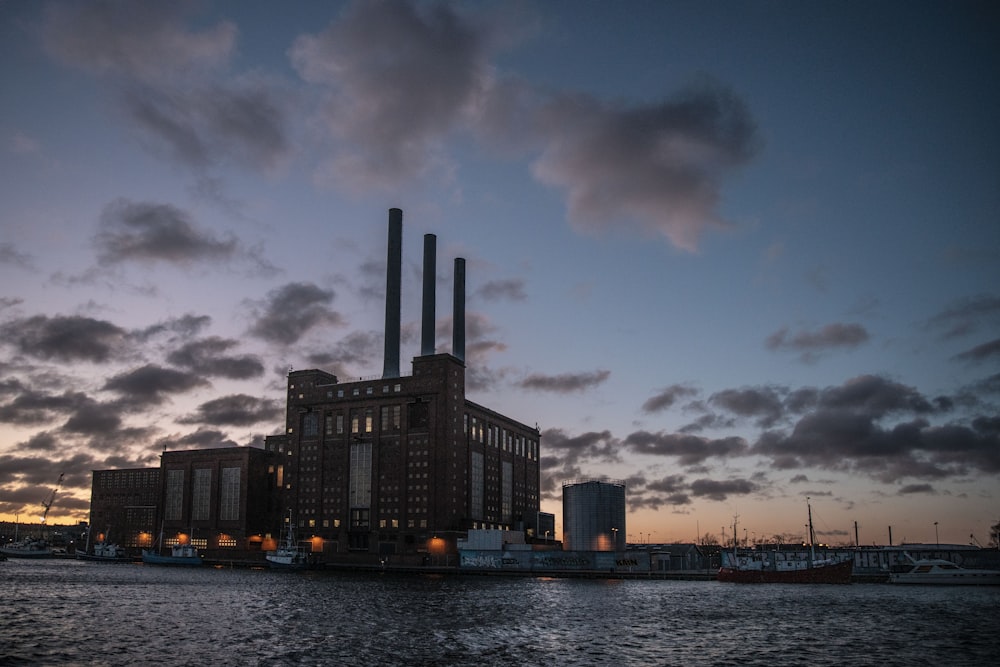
837	573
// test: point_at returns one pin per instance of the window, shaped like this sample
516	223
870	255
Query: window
391	418
328	424
360	492
229	501
201	494
476	480
340	423
506	491
174	503
310	424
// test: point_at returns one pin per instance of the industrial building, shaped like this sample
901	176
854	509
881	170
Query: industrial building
403	463
594	515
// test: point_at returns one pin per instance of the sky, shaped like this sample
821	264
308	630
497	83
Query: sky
742	256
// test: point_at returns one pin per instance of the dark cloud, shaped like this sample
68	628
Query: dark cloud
689	449
910	489
236	410
30	406
207	356
565	383
667	397
498	290
400	76
657	166
94	419
765	404
150	384
65	338
147	42
165	72
184	327
203	438
813	343
716	490
11	256
966	316
562	449
200	128
140	231
291	311
982	352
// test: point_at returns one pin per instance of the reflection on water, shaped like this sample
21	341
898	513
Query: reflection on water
74	612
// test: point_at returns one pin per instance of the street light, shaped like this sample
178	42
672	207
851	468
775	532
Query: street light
614	539
936	538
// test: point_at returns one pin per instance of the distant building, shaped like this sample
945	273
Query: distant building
225	500
123	506
386	465
594	515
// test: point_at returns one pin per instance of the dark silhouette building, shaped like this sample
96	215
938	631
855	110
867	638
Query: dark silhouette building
403	464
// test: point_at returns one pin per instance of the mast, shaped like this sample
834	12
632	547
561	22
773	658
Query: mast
812	535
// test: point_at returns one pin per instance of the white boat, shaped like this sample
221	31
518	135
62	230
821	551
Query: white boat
105	552
27	548
288	555
943	572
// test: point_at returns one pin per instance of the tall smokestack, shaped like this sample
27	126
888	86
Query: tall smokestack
393	287
458	311
430	278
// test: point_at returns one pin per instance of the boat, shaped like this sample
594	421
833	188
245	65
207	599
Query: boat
105	552
288	555
27	548
180	554
764	568
938	571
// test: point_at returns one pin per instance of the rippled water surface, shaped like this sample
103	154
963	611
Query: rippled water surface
73	612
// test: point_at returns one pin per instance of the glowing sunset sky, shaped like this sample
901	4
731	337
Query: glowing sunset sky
736	254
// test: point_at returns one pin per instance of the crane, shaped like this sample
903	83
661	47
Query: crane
52	497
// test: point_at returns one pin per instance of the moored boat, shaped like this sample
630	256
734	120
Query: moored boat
180	554
27	548
105	553
288	555
760	568
937	571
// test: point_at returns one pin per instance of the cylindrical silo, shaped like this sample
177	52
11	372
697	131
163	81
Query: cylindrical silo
594	515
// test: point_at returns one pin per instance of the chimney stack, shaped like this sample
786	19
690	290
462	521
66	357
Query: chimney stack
393	288
430	284
458	311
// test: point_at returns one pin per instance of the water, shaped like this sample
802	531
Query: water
78	613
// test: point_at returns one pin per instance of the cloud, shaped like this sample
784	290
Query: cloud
764	403
203	438
11	256
149	384
145	40
140	231
966	316
565	383
236	410
667	397
399	79
30	406
564	450
910	489
982	352
688	449
65	338
813	343
291	311
657	167
207	357
497	290
166	76
721	490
